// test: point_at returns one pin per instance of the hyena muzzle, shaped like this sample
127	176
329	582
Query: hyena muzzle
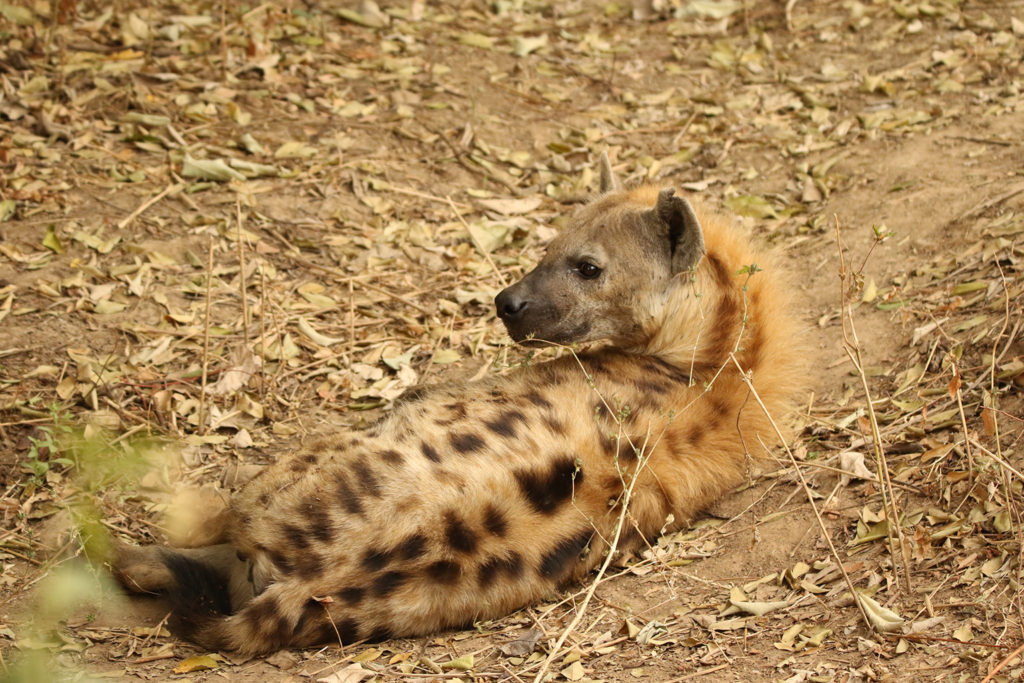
468	502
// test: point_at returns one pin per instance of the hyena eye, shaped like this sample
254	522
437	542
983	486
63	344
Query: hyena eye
587	270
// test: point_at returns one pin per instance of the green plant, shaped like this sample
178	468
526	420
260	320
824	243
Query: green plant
46	450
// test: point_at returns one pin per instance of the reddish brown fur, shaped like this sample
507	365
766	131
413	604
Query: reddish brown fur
470	502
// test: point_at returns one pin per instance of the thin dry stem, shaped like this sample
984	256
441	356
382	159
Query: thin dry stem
486	254
206	341
241	275
851	344
745	377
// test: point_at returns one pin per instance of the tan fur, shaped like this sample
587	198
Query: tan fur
472	501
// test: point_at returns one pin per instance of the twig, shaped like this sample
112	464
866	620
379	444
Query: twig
1009	658
476	243
852	348
582	608
241	276
745	378
977	208
145	205
702	672
206	341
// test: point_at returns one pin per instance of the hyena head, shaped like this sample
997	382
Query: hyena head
604	274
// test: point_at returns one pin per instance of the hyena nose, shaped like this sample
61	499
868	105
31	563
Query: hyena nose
510	307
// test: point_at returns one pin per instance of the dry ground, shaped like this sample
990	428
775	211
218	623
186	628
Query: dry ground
370	178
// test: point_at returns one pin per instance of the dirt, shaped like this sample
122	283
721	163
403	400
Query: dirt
878	118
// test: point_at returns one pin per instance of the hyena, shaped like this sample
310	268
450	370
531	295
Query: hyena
469	502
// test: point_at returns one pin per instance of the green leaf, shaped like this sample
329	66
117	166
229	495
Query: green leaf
52	242
7	208
463	663
209	169
476	40
751	205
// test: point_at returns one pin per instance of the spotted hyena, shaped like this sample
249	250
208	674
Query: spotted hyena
468	502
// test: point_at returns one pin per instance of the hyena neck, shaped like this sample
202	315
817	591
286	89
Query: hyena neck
698	322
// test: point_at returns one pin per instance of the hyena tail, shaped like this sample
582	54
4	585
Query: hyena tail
206	611
200	598
204	586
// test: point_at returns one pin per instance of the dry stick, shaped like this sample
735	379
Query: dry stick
745	378
351	324
241	276
145	205
963	424
263	337
206	341
852	349
476	243
1000	665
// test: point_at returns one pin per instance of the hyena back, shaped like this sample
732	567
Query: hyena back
469	502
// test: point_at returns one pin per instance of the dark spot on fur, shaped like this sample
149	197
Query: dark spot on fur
349	500
309	565
595	364
629	448
366	478
719	406
647	386
457	409
263	611
310	458
298	466
352	596
387	583
279	561
502	426
495	567
467	442
495	522
459	536
609	444
411	396
554	424
378	634
545	491
557	562
311	612
695	434
612	484
348	630
429	452
320	526
392	457
264	499
412	547
375	559
754	348
296	536
536	399
444	571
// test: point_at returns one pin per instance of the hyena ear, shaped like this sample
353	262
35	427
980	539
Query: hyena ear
609	183
686	239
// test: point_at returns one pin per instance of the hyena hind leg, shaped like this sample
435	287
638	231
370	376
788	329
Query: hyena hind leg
156	570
